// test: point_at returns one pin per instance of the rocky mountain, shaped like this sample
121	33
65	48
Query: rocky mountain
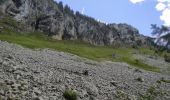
62	23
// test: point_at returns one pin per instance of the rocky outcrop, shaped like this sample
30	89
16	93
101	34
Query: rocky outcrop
62	23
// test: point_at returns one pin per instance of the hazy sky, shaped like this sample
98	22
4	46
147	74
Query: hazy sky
139	13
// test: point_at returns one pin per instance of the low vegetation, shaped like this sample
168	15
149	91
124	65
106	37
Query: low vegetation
70	95
153	93
122	95
167	57
140	79
164	80
35	40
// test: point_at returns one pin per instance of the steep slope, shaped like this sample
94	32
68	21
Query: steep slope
45	75
61	23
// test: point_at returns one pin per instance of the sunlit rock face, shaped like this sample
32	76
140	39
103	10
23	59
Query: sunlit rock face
62	23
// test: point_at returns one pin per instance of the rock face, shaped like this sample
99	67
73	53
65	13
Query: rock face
62	23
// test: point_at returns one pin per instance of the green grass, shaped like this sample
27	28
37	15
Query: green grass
37	40
98	53
7	21
164	80
70	95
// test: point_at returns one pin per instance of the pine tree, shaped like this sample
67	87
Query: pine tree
162	32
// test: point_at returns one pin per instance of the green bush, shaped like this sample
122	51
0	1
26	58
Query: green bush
164	80
140	79
135	47
70	95
137	61
167	58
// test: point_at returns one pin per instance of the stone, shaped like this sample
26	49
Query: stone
10	57
38	98
23	88
5	63
9	82
2	92
91	89
37	91
114	56
114	83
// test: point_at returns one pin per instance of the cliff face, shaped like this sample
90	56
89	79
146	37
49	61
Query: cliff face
61	23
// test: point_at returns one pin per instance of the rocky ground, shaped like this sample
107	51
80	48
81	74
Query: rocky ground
46	74
155	61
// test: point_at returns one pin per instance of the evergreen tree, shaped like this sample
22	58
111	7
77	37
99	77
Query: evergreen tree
60	5
162	32
68	10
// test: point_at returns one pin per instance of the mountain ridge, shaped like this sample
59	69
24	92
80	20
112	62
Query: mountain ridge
62	23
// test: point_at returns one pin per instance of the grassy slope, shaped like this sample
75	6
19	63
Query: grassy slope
37	40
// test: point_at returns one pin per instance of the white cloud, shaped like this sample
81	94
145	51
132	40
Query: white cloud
169	5
160	6
83	10
163	1
136	1
102	21
165	17
164	7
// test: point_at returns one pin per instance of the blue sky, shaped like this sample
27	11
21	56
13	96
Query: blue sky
138	13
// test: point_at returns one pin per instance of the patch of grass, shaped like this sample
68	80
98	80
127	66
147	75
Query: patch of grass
7	21
152	93
146	51
164	80
1	98
122	95
70	95
167	57
37	40
139	64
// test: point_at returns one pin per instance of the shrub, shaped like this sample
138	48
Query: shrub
167	58
70	95
164	80
138	70
153	92
137	61
135	47
140	79
86	72
122	95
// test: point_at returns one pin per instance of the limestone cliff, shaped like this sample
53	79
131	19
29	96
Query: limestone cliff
61	23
